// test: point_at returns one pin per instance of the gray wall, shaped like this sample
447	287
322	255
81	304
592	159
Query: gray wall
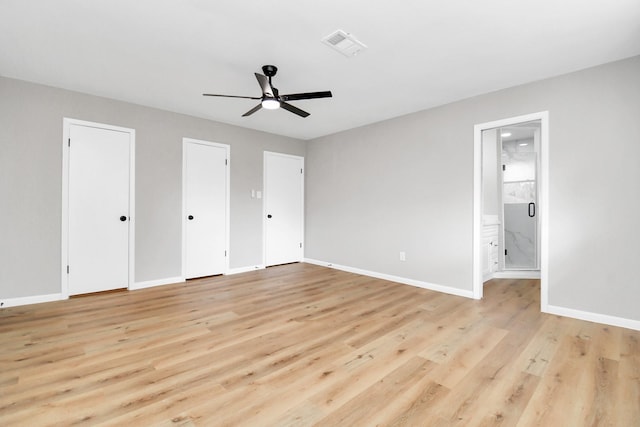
31	178
407	184
401	185
490	176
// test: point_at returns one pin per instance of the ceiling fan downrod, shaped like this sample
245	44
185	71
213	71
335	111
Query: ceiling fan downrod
269	71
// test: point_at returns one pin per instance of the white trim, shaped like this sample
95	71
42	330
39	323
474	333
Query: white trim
543	116
593	317
64	257
514	274
227	149
66	125
476	279
36	299
157	282
544	210
132	207
264	204
391	278
246	269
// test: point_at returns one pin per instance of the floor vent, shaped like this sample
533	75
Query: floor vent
344	43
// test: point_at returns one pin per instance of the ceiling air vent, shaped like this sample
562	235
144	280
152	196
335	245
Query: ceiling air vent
344	43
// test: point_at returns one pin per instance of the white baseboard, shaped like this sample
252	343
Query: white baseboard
158	282
550	309
239	270
36	299
593	317
403	280
514	274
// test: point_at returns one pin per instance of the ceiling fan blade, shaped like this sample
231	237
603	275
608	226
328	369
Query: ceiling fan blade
253	110
231	96
294	110
265	85
309	95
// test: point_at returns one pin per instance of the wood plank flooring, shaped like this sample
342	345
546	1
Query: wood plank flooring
302	345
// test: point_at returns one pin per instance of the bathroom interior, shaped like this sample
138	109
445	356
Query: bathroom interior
510	207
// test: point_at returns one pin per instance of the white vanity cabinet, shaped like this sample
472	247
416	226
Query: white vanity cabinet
490	248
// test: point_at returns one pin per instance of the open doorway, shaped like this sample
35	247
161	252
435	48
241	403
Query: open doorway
510	200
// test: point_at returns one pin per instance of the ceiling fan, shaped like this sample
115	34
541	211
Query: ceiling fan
271	99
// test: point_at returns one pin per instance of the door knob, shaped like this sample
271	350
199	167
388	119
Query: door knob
269	216
123	218
190	217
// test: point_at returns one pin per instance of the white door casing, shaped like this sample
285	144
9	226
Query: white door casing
98	195
205	211
283	216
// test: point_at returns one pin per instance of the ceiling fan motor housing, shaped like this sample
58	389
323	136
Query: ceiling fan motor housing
269	70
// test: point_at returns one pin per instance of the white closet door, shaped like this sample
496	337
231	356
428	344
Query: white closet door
284	208
98	249
205	208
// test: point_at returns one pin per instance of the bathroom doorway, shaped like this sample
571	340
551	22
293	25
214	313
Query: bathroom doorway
510	182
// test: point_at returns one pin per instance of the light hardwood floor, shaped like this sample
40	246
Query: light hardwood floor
305	345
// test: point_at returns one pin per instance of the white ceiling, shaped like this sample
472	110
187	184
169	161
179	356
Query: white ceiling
421	53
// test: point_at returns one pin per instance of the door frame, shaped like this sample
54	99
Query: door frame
264	203
66	128
183	215
543	199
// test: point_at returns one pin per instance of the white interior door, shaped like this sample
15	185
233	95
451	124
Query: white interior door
98	209
283	208
205	208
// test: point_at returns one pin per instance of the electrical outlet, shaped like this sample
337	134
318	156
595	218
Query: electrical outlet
403	256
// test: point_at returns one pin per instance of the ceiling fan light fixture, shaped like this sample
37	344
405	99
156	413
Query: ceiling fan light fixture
270	103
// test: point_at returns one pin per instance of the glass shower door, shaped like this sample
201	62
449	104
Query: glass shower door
520	205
